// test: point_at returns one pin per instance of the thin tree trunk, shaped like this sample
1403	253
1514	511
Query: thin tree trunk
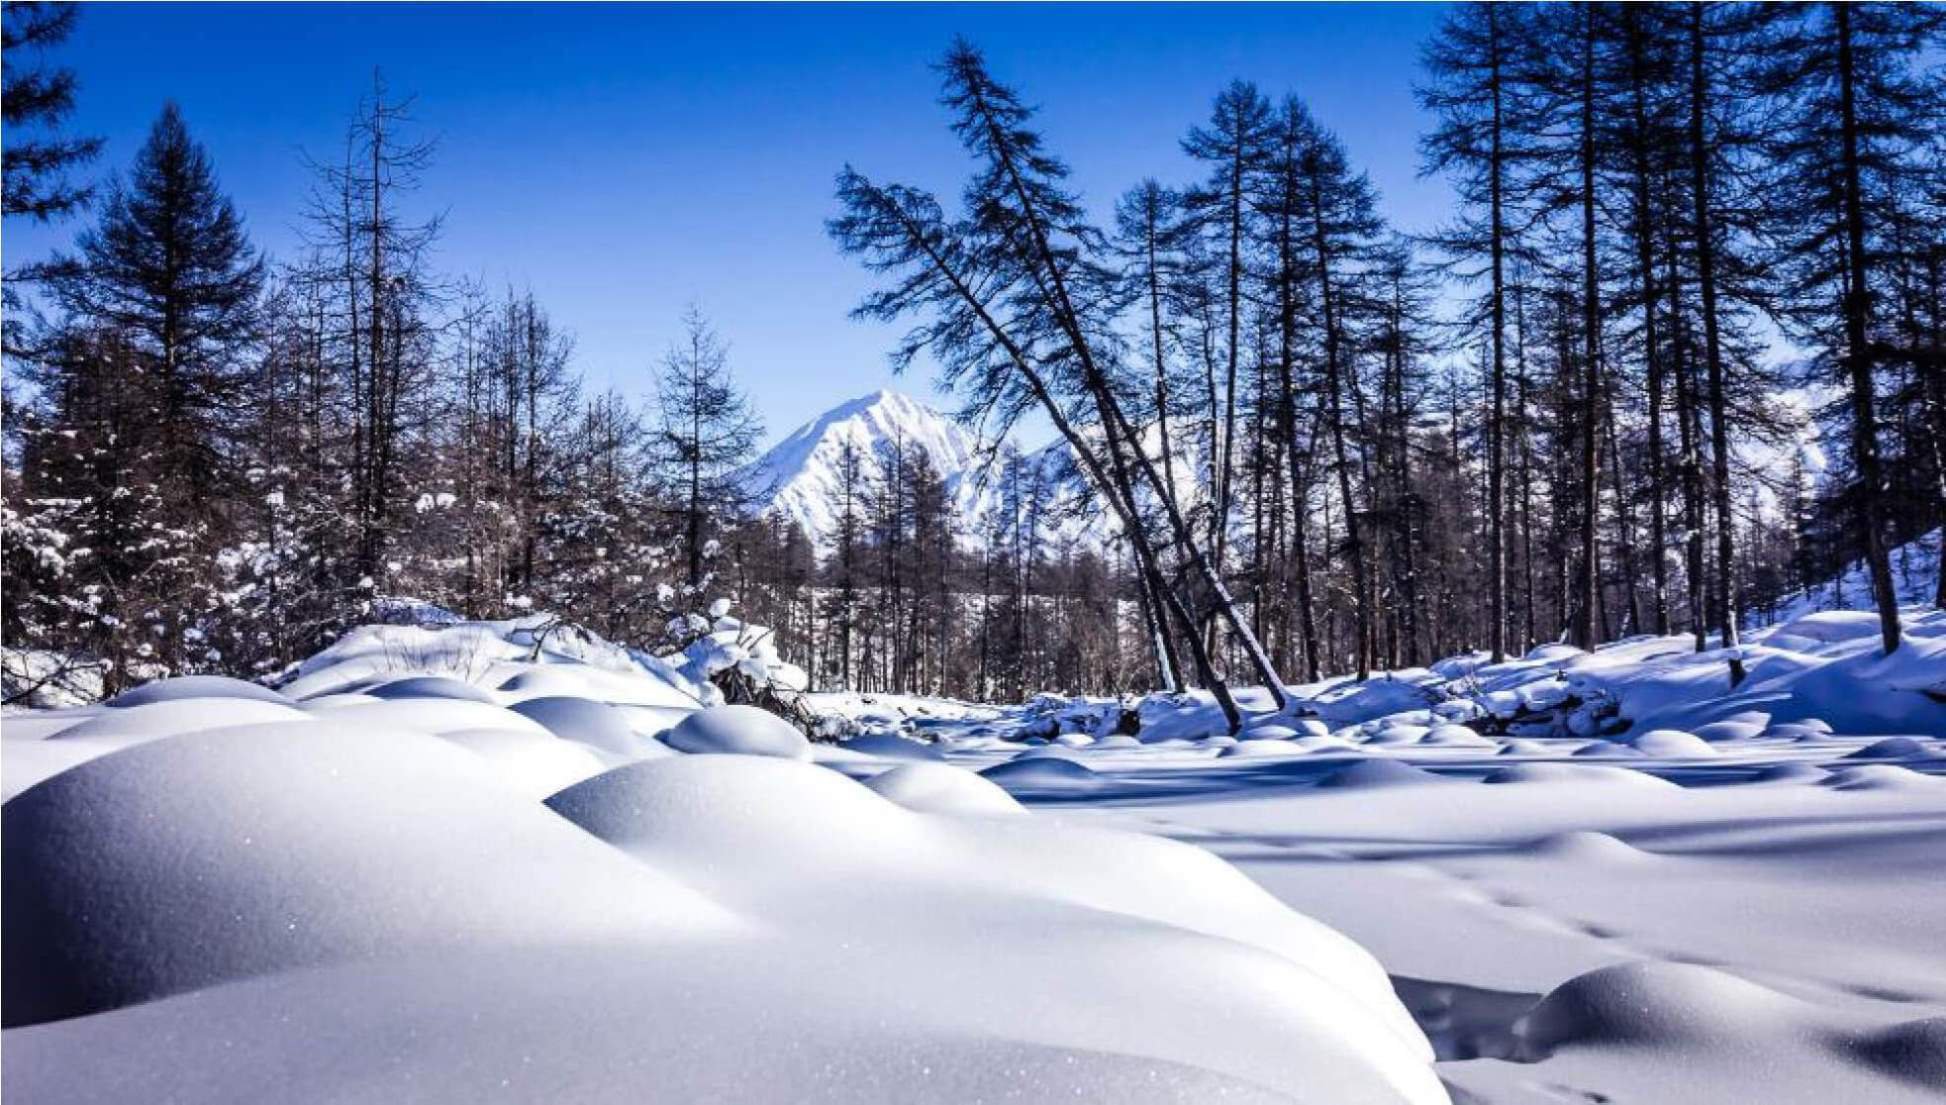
1712	344
1585	586
1864	414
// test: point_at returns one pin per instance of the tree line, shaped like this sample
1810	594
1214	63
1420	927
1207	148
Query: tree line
1668	216
219	462
1324	446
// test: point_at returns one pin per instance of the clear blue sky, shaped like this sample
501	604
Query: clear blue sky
625	160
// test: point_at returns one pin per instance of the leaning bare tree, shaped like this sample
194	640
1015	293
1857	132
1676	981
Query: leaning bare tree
1018	313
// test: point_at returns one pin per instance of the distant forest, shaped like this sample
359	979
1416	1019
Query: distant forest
1688	238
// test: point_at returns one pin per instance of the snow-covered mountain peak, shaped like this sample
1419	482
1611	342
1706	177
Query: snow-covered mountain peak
800	476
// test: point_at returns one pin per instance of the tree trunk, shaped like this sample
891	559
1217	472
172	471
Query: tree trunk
1712	345
1864	435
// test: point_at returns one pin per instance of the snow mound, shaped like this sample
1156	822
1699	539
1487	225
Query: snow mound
551	679
1672	744
1587	845
1828	627
1731	729
1270	731
215	856
427	715
942	788
1892	748
1791	773
743	730
169	716
1380	773
1605	750
1398	733
529	764
776	835
1657	1004
1577	773
1880	777
595	724
195	686
429	686
1458	736
1047	772
712	806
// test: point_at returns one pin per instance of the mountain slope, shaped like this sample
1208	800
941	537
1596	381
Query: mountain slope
799	476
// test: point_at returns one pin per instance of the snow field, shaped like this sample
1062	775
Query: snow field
490	874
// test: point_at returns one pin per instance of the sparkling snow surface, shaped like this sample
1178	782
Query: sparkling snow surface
1640	887
460	864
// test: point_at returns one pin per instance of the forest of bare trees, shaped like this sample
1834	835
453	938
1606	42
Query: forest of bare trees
1686	239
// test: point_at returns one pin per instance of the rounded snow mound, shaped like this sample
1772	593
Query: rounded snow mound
1880	777
1264	749
943	788
733	811
885	746
1892	748
179	864
551	679
1043	773
429	686
1797	731
1312	727
742	730
1656	1004
427	715
1734	729
592	723
195	686
1399	734
1577	773
1548	654
1458	736
170	716
531	764
1604	750
1269	731
1825	627
1672	744
1380	773
1586	844
1791	773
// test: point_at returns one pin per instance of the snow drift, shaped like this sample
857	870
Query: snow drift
463	864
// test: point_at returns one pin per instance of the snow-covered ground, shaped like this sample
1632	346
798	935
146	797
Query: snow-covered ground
463	864
1618	880
473	862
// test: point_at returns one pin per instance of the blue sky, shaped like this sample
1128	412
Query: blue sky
623	161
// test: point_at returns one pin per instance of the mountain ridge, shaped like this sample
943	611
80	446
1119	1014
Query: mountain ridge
798	477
